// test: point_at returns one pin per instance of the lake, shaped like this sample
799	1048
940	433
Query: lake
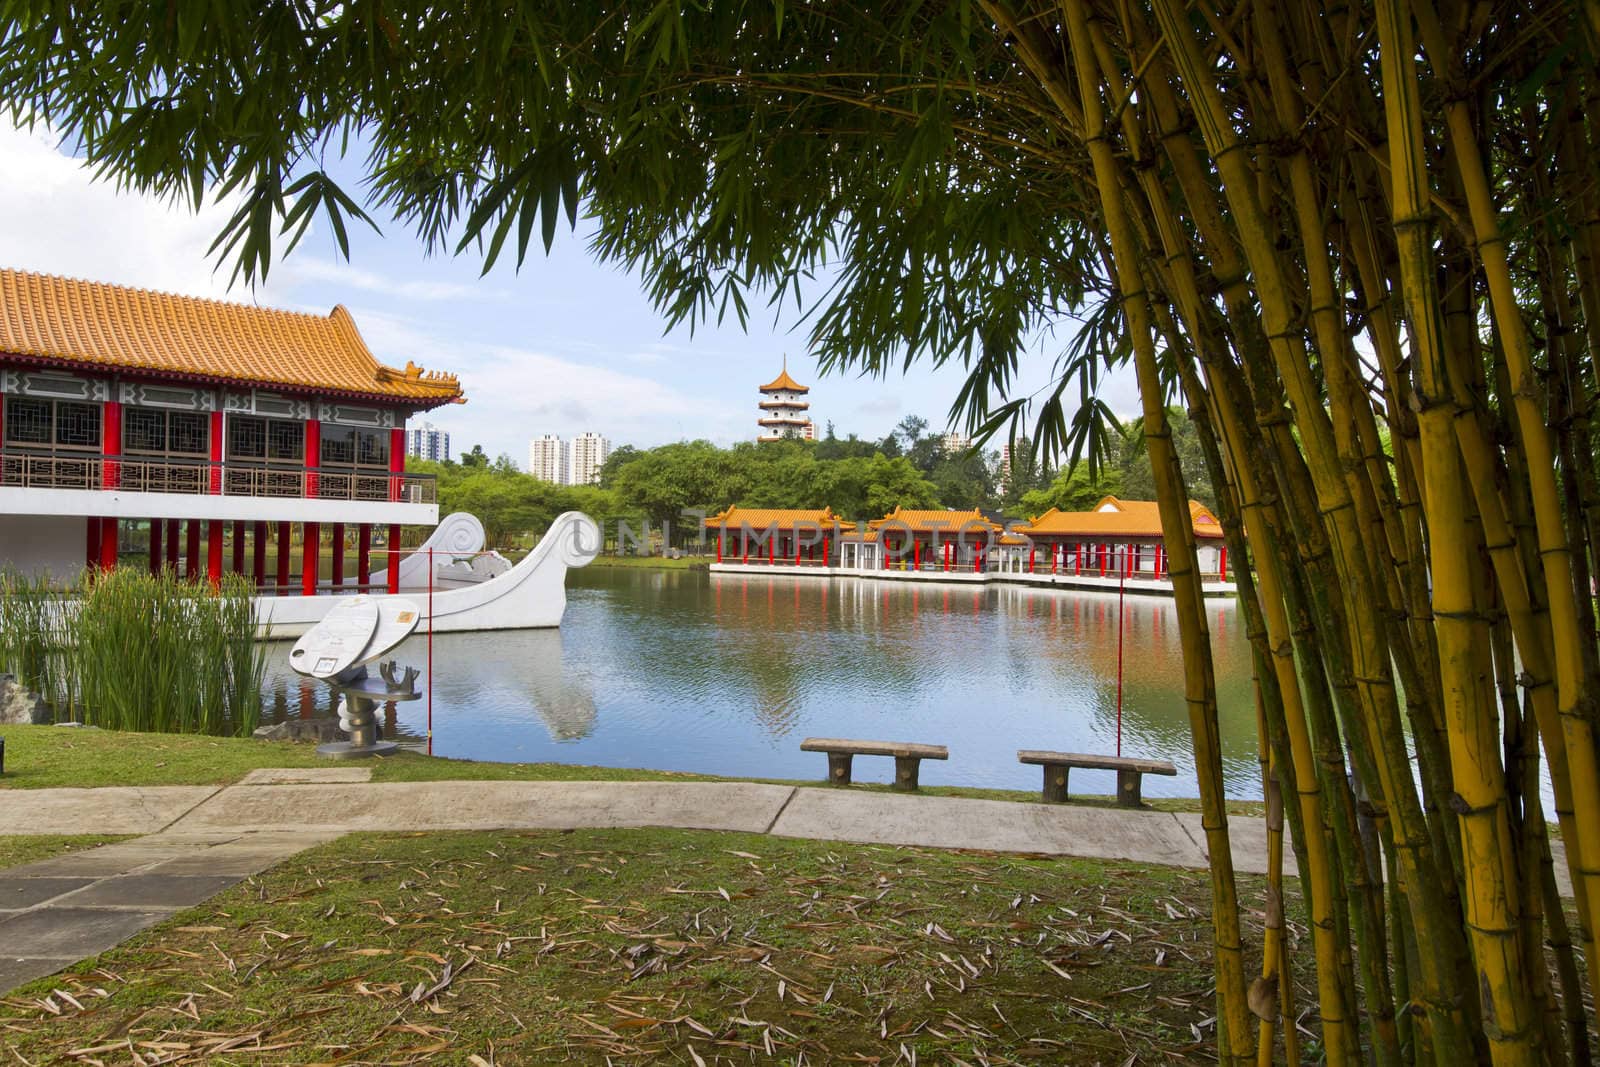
726	674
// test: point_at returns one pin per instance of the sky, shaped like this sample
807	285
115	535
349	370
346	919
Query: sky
565	345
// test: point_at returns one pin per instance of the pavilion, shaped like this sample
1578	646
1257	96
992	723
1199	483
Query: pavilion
1118	538
798	537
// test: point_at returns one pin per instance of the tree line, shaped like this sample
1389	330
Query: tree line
858	479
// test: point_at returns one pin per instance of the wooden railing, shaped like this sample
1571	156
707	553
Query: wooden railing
200	478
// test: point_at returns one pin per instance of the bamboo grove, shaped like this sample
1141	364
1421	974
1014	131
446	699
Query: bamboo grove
1360	241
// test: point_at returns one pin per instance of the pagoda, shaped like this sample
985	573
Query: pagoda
783	409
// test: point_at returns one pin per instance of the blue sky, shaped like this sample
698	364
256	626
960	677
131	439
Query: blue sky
563	346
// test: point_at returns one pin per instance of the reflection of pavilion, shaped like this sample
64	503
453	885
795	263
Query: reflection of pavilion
564	702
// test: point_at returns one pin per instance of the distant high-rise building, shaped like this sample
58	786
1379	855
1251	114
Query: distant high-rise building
586	454
784	409
547	459
954	442
1005	464
428	442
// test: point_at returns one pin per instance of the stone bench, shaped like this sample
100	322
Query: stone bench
1129	772
908	757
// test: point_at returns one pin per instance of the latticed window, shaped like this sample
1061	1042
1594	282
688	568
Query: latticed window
346	446
150	431
251	438
39	423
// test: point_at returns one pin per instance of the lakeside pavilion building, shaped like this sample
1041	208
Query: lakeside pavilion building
798	537
938	539
784	409
1118	537
189	428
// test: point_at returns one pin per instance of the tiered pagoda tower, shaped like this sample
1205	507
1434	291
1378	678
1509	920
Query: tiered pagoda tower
784	409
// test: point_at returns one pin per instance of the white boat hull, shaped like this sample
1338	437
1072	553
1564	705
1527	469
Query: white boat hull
531	595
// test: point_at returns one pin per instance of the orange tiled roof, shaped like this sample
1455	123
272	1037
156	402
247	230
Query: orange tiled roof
784	383
1112	517
941	520
111	328
781	518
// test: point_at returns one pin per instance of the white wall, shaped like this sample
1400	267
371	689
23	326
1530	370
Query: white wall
39	544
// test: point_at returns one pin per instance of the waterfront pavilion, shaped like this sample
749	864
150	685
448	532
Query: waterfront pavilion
1118	538
935	540
795	537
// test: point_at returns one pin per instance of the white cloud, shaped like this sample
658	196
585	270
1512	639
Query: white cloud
311	269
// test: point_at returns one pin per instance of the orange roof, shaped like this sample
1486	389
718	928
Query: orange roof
114	328
1112	517
780	518
944	521
784	383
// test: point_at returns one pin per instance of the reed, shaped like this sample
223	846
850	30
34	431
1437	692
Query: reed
134	651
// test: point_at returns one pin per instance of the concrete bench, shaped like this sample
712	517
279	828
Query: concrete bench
1129	772
907	757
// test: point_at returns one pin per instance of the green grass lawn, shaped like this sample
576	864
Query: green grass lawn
44	757
27	848
617	946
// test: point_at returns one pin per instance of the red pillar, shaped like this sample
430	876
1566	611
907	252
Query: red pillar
216	456
310	557
397	463
719	546
284	529
338	554
155	546
313	455
1222	564
1077	564
172	545
238	546
394	559
1105	556
364	555
214	553
916	555
191	553
772	547
1030	560
111	443
258	561
108	544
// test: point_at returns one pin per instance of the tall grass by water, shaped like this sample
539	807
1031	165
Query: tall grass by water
134	651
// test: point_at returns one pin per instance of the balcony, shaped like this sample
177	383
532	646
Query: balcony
135	475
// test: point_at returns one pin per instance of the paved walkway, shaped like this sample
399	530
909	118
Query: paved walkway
202	840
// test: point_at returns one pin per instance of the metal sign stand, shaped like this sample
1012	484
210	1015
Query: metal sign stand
338	649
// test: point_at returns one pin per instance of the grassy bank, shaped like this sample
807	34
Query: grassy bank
48	757
28	848
689	947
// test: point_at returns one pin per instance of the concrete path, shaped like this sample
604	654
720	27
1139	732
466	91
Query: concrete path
58	911
203	840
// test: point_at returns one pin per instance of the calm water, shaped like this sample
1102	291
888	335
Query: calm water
726	674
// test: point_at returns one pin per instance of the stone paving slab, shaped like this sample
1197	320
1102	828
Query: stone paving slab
465	805
244	856
150	890
14	972
955	822
19	893
118	858
107	810
307	776
72	933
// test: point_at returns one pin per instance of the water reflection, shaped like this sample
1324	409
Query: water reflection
724	674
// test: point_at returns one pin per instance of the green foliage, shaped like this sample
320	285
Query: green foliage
510	504
1124	470
134	651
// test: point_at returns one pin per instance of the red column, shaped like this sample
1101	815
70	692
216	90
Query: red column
191	553
772	547
172	545
977	558
1104	557
155	546
1030	560
1077	558
313	455
364	555
1222	564
258	562
216	454
281	579
916	555
1161	561
214	552
238	546
108	544
310	557
719	546
111	443
397	461
338	554
91	542
394	560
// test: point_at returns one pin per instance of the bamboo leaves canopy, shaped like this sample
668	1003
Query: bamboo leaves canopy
1361	243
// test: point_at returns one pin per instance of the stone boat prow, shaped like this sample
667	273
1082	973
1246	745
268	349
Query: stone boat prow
530	595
